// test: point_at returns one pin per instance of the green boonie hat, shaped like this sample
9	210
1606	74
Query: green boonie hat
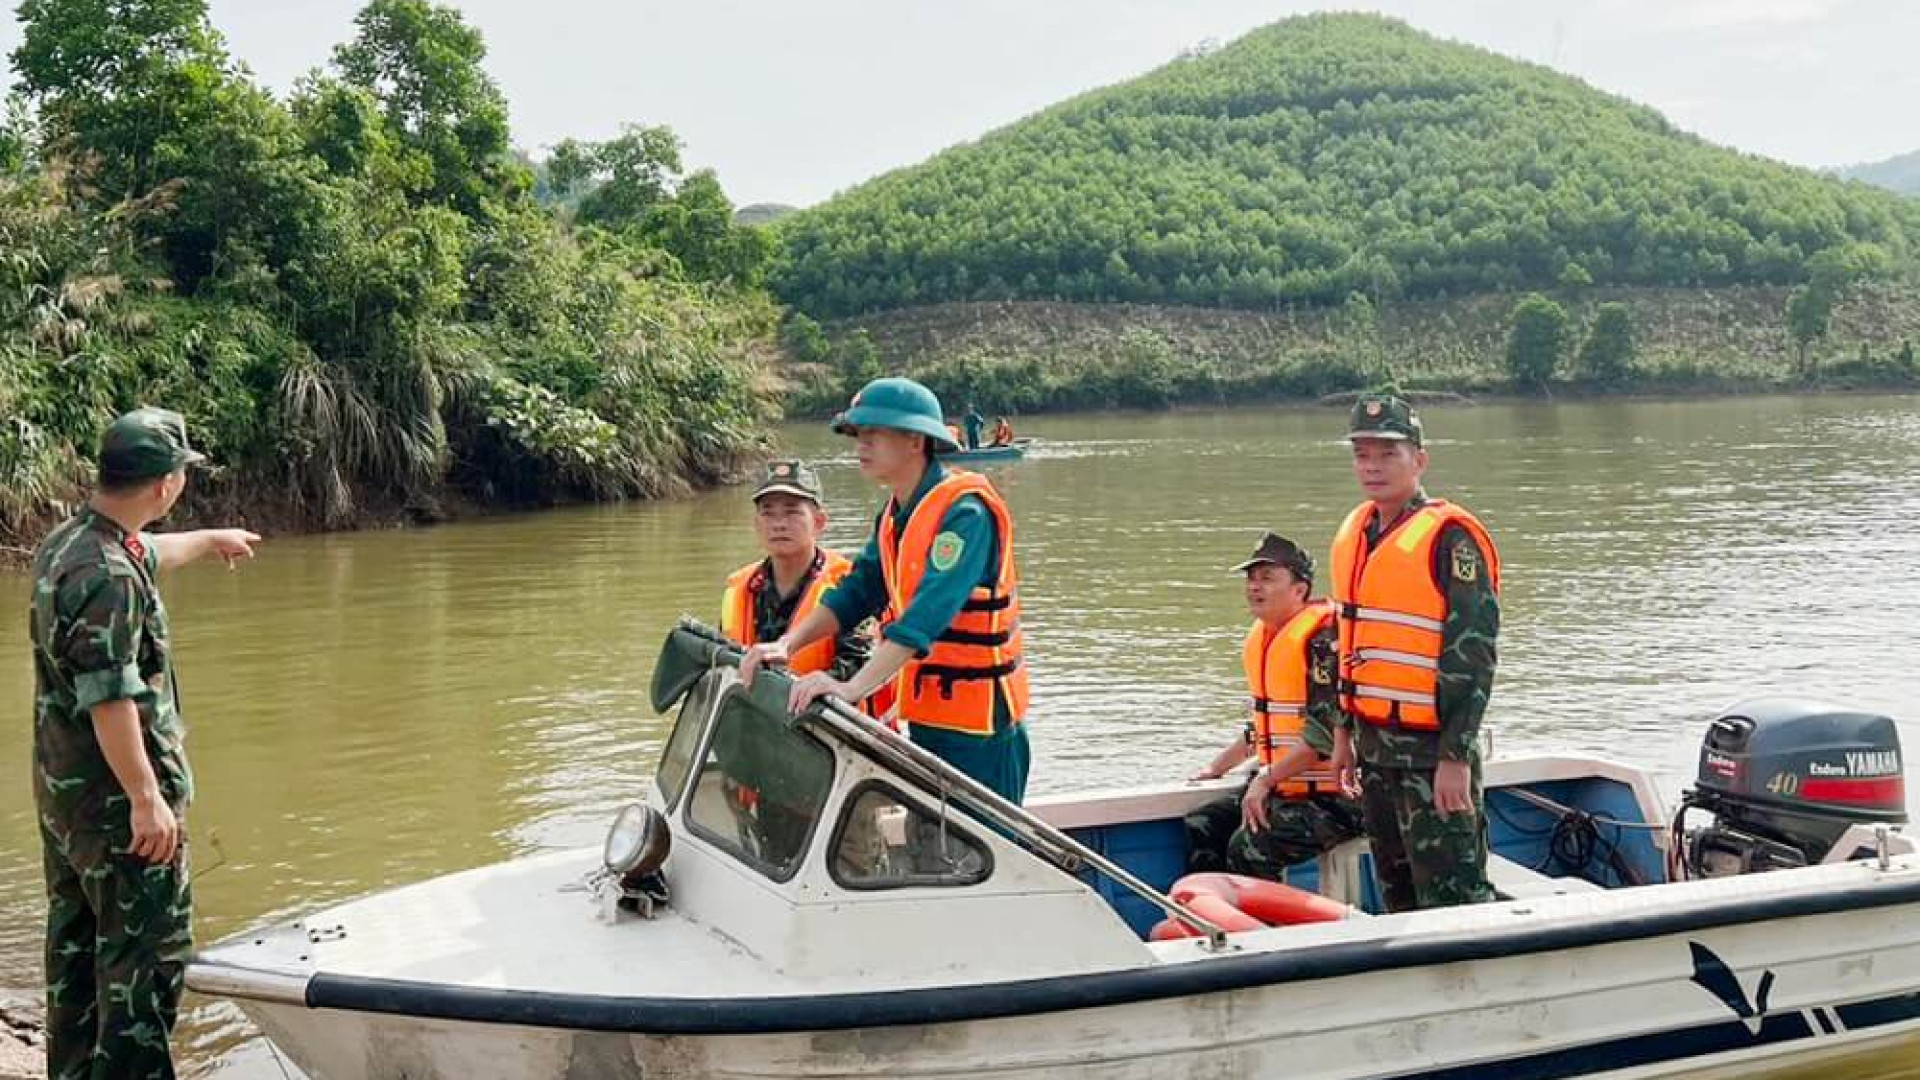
789	477
145	444
901	404
1281	552
1384	416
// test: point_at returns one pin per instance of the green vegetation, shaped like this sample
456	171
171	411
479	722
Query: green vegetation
1606	357
1034	356
353	293
1324	156
1536	342
632	185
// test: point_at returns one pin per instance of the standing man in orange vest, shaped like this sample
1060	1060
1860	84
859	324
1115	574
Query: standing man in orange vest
763	599
1292	810
1417	581
940	563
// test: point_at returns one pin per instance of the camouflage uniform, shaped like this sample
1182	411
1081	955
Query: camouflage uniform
1302	829
773	616
118	928
1424	859
1298	829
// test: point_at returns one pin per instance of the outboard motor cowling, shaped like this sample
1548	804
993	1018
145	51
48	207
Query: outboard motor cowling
1785	778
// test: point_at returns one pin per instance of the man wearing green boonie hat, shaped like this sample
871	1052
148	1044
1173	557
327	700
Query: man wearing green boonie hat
110	776
764	598
940	563
1417	584
762	601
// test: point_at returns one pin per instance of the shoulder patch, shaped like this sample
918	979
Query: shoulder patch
1322	670
1466	562
946	551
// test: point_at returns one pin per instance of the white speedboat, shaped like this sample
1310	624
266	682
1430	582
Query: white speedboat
814	896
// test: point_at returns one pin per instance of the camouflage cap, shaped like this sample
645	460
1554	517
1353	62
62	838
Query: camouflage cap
1279	551
1384	416
790	477
145	444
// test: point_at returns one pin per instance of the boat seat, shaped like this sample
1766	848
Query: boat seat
1511	881
1343	876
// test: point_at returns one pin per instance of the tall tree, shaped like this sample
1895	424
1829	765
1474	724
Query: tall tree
617	182
117	80
632	185
422	61
1606	357
1536	341
1809	315
143	98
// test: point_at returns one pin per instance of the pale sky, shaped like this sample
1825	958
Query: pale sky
792	100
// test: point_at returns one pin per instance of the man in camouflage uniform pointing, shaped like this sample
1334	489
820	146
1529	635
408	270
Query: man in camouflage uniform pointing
110	776
1417	581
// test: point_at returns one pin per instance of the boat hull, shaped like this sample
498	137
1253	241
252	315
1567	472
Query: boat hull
987	454
1814	995
360	1046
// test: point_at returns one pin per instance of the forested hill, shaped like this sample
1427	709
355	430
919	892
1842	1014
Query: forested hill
1322	156
1901	174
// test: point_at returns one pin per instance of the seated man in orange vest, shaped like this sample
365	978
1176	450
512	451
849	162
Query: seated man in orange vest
1418	585
940	565
763	599
1291	810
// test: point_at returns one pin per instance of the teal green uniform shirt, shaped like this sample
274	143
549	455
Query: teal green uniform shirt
862	594
1000	760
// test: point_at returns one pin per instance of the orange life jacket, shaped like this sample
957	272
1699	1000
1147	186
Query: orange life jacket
736	608
953	686
1278	671
1392	612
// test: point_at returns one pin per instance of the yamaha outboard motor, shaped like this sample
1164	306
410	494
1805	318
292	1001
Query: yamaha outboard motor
1785	779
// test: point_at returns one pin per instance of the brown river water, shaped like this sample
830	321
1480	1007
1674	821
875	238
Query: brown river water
371	709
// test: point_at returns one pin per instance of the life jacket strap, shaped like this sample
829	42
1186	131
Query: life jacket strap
974	637
1394	618
1388	693
1397	656
948	674
987	603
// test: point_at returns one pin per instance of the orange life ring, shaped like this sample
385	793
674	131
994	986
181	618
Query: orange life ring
1236	903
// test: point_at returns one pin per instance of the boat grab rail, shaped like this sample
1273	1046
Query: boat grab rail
1070	855
865	734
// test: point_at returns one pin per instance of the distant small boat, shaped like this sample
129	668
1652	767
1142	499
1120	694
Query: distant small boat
1010	452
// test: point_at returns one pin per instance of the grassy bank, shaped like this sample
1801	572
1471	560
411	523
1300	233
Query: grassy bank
1039	356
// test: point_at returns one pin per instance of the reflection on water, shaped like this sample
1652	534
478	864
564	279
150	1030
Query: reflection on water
372	709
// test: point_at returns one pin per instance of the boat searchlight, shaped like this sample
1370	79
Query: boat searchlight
637	844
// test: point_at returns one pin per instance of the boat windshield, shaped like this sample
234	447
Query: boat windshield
761	787
676	761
